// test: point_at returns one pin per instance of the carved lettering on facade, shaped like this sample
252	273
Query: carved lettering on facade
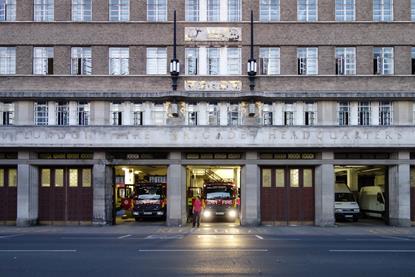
181	136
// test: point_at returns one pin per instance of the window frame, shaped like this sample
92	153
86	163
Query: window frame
234	14
273	61
160	59
191	14
7	10
234	115
213	56
385	113
213	10
116	111
266	8
119	61
213	115
233	60
118	11
305	64
7	112
83	113
41	113
81	10
345	61
364	113
310	113
412	10
158	15
382	16
62	113
7	60
308	17
382	62
189	55
81	56
341	11
42	63
43	10
343	113
289	114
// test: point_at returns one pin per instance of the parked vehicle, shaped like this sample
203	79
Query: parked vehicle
220	201
372	201
345	205
150	201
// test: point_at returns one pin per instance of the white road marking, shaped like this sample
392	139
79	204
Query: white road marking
258	236
10	236
88	238
382	238
372	250
126	236
284	239
395	238
39	250
203	250
164	237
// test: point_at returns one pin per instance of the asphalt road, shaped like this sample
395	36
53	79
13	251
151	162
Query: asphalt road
205	251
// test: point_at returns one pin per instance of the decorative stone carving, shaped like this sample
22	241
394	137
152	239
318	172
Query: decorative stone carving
212	34
213	85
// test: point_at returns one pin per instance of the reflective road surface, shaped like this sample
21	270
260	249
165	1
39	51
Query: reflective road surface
210	250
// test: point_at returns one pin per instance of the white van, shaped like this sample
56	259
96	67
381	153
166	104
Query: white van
372	201
345	205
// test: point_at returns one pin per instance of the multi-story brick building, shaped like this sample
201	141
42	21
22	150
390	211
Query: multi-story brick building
88	109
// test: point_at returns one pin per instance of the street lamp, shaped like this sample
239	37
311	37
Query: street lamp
174	72
252	65
252	70
174	63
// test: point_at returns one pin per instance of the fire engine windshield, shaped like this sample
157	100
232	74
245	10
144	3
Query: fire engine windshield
218	193
149	193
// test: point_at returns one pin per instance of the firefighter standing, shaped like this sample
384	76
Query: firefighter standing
197	210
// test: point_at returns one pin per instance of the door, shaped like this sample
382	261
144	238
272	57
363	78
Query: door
8	194
65	194
287	195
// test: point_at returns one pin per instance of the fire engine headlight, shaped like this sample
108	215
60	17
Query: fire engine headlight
232	213
207	214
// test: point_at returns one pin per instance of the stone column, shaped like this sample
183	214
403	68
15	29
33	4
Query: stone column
24	113
27	191
100	113
202	113
176	191
73	113
399	191
403	113
102	191
324	191
250	191
327	113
